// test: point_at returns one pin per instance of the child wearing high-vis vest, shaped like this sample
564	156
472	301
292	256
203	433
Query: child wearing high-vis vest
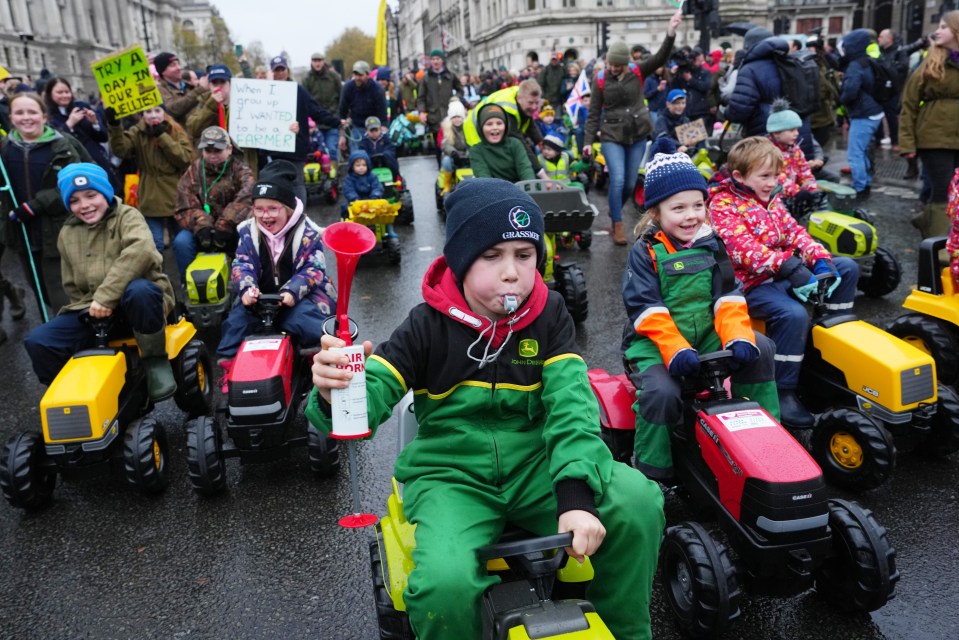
682	300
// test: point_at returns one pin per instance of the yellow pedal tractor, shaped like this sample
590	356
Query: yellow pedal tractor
598	175
209	293
376	214
565	211
932	326
461	171
848	231
873	394
524	605
96	419
320	177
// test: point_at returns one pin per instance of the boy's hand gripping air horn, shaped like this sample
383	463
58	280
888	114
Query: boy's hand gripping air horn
349	241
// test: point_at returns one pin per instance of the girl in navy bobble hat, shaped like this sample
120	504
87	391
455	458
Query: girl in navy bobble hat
681	302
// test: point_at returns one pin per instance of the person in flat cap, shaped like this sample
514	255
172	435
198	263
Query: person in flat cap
179	99
492	358
324	85
213	196
110	268
438	85
280	252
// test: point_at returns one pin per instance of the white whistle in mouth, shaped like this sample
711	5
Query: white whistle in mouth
510	304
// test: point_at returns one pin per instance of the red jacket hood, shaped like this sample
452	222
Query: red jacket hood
442	292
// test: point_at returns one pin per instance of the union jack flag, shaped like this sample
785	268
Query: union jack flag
576	95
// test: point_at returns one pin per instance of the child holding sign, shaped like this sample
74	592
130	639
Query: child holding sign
163	151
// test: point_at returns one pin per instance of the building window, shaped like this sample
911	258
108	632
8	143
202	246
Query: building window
531	5
804	25
569	3
835	25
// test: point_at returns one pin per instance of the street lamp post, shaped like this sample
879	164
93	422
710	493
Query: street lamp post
146	31
25	38
396	28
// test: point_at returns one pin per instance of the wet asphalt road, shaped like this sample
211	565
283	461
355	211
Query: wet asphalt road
267	559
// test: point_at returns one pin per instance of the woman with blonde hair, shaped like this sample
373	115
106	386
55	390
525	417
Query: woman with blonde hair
930	110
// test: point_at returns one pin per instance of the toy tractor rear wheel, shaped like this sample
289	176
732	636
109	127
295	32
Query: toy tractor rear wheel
853	450
191	368
860	574
145	453
885	277
393	624
25	481
585	240
324	452
405	215
571	283
700	581
933	336
391	246
944	437
204	456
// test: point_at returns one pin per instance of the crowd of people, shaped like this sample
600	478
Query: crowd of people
505	442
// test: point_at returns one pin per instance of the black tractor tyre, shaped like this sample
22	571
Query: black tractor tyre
204	456
324	452
944	436
391	247
861	573
405	215
192	371
886	274
393	624
933	336
331	194
145	454
701	584
24	480
585	239
854	451
571	283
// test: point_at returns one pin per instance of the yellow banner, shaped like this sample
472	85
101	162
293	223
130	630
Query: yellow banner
125	81
4	74
379	50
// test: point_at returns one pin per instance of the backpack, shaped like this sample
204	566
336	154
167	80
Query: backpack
799	79
601	76
885	86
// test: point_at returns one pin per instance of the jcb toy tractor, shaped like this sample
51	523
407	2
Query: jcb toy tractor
95	418
565	211
741	469
254	421
540	594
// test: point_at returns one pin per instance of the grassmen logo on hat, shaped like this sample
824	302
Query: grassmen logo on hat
520	219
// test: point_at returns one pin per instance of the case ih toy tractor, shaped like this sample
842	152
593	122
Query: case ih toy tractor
739	466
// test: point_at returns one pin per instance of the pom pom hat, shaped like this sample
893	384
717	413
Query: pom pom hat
483	212
669	173
277	182
782	118
456	109
80	176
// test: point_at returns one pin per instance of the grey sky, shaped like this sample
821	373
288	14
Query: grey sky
296	26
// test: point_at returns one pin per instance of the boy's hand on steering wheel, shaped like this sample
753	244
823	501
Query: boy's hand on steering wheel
588	533
98	311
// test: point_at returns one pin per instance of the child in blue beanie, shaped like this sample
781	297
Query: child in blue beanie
110	266
681	302
508	426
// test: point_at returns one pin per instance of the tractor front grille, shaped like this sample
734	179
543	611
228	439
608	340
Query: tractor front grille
917	384
69	423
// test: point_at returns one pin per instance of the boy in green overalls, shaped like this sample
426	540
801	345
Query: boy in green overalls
508	425
681	298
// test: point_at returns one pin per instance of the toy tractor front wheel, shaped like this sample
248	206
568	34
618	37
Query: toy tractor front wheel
931	336
204	456
585	239
885	277
701	583
393	624
860	574
324	452
191	368
145	453
943	438
853	451
405	215
571	284
25	481
391	246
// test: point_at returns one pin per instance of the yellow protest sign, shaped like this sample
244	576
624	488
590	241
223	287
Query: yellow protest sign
691	133
3	74
125	81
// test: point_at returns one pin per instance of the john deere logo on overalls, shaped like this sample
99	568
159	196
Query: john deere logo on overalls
528	348
679	266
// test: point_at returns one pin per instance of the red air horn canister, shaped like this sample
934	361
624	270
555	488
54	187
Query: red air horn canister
348	241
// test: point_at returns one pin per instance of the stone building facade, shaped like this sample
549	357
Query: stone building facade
65	36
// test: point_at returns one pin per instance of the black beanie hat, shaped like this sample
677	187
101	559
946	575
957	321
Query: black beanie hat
483	212
277	181
162	60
